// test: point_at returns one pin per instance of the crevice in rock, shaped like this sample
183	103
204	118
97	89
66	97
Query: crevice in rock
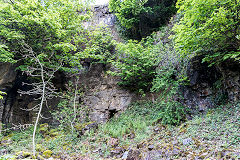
112	113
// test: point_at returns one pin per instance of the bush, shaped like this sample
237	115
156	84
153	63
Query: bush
69	112
136	64
209	27
170	111
151	64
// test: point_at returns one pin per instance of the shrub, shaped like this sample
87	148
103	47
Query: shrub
170	111
69	111
170	74
136	64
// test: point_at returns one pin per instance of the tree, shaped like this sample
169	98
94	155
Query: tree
210	28
44	89
43	37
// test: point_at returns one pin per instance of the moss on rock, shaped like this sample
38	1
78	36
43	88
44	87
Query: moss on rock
47	153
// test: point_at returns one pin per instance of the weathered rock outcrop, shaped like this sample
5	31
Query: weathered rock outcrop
7	79
102	94
103	17
230	71
14	107
103	97
198	94
209	86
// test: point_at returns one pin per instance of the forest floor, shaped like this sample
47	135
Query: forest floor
214	134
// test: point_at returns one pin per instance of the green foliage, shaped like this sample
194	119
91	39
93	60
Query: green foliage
1	93
49	29
127	11
138	19
219	124
151	64
124	125
166	111
170	74
171	111
209	27
65	114
136	64
163	80
52	30
97	45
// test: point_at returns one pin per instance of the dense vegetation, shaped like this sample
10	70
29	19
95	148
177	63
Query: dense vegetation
138	19
210	28
44	37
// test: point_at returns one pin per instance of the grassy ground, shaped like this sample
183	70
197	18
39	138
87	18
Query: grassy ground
136	133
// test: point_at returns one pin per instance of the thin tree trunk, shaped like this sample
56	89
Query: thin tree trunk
40	108
74	104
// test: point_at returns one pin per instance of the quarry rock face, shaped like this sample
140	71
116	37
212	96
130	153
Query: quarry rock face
15	108
198	94
102	99
211	85
7	75
102	17
7	79
231	79
102	95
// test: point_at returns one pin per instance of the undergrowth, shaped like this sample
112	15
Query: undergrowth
217	130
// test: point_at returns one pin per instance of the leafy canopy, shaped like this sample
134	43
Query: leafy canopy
51	29
127	11
209	27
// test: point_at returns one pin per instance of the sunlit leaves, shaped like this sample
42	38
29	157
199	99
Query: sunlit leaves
208	27
137	65
49	28
1	94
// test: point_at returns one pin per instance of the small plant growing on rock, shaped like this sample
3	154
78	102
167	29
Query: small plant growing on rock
1	94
